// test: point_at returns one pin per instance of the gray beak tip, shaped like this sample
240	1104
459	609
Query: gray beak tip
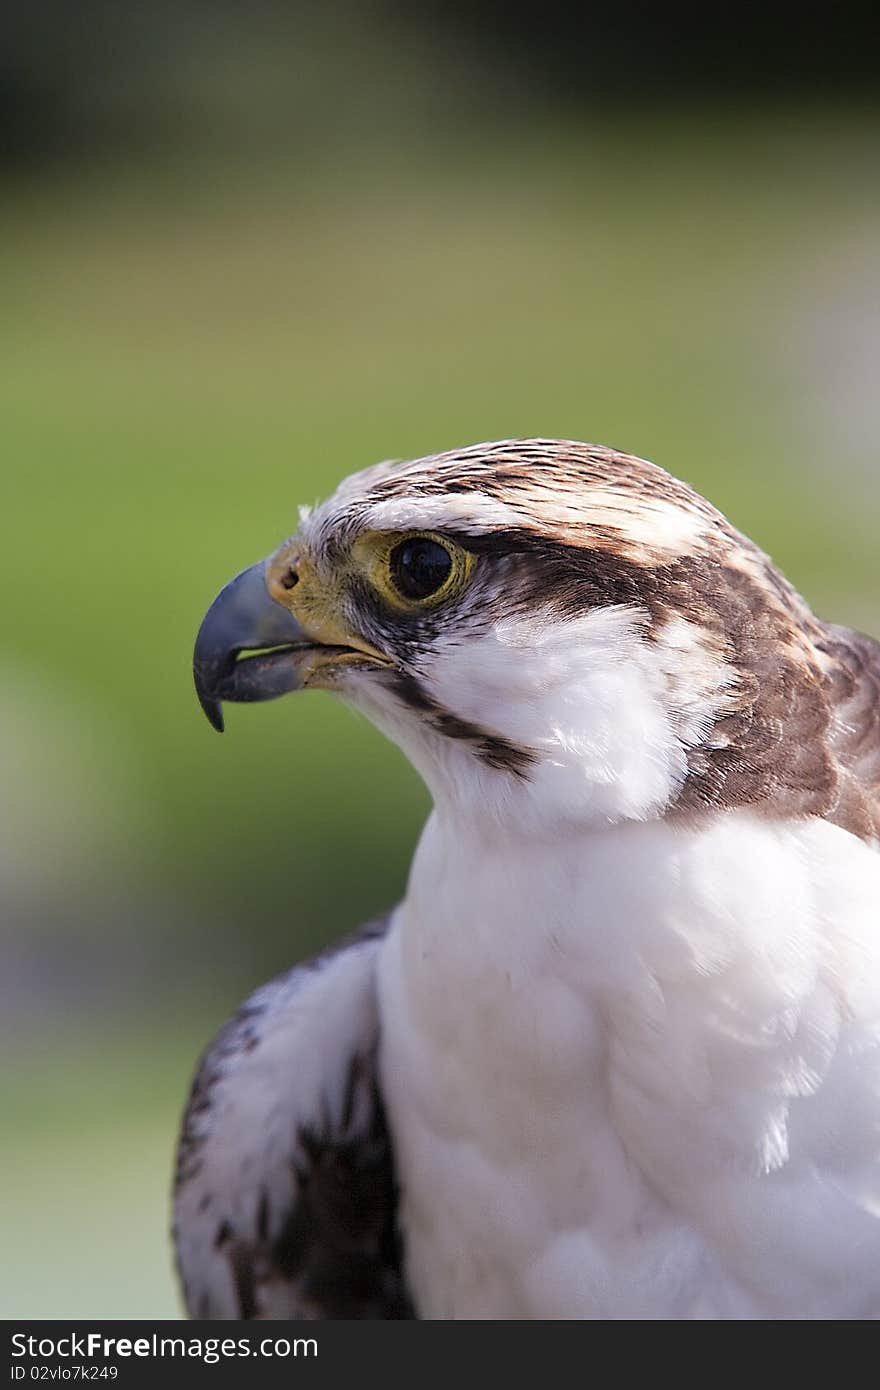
213	711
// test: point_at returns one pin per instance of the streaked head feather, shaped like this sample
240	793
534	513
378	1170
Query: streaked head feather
749	679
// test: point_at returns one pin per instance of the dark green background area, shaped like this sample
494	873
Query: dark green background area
200	334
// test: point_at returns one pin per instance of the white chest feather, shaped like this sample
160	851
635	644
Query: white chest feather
636	1074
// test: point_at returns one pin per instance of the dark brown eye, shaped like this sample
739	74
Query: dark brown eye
420	567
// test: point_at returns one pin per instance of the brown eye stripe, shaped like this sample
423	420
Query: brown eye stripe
569	527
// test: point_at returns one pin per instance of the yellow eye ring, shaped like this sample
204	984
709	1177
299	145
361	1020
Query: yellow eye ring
414	570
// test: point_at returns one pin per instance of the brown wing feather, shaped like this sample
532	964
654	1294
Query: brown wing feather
286	1195
853	683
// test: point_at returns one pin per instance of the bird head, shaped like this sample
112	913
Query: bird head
553	632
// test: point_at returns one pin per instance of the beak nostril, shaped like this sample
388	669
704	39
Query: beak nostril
290	578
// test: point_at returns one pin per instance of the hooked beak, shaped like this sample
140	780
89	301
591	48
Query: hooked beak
247	646
252	647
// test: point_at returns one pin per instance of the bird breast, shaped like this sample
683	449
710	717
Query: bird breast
636	1073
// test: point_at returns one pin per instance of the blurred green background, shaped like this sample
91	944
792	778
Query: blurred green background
243	253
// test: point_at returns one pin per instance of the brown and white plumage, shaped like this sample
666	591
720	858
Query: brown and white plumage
285	1185
628	1013
590	526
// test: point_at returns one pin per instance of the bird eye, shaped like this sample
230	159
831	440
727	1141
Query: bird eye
420	567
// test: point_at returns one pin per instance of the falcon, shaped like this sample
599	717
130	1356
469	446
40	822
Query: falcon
616	1054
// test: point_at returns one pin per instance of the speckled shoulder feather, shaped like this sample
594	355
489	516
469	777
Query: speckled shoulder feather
285	1196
